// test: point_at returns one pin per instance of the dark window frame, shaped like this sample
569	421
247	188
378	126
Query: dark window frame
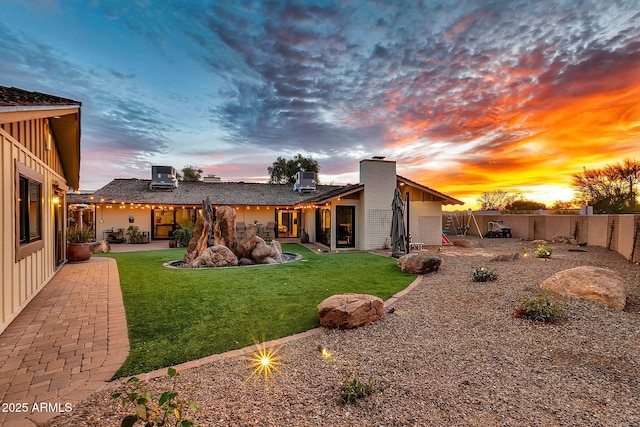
29	207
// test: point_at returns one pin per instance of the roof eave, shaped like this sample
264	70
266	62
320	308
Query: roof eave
445	199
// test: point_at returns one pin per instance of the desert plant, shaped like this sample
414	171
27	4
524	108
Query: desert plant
183	235
79	235
352	388
483	274
543	307
169	410
134	235
543	251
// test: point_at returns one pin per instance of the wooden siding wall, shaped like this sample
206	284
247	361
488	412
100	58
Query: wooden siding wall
22	280
33	134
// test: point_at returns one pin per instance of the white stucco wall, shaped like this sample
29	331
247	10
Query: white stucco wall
380	181
425	222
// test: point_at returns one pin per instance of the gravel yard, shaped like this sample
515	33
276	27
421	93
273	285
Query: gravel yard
450	354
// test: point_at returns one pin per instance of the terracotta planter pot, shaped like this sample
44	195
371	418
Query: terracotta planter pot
78	252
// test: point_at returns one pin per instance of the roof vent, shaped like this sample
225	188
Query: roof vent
305	182
163	178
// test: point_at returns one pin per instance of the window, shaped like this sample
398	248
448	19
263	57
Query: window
28	211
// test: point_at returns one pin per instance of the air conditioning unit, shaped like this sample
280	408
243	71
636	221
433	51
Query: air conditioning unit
305	182
163	178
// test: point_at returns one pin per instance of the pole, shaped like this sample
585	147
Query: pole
407	196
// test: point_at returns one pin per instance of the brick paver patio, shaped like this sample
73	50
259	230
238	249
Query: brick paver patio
66	344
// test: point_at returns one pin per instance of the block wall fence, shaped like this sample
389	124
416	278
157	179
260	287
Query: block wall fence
620	233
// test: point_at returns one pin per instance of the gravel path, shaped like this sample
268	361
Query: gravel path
450	354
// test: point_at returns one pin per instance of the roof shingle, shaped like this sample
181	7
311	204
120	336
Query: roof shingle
193	193
13	96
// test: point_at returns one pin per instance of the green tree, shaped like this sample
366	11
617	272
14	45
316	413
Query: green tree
190	174
283	171
612	189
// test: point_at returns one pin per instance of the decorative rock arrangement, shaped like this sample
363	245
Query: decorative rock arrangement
419	263
215	256
224	230
349	311
590	283
249	249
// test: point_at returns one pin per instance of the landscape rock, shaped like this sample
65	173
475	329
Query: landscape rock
589	283
506	257
247	242
276	251
539	242
215	256
462	243
564	239
419	263
246	261
224	231
260	250
348	311
199	242
101	247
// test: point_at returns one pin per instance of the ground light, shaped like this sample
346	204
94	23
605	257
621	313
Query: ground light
324	352
264	363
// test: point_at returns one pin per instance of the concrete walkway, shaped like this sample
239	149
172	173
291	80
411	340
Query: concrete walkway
66	344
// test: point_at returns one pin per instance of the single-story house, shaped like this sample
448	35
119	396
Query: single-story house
346	216
40	137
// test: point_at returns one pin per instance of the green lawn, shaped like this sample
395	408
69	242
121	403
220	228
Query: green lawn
177	315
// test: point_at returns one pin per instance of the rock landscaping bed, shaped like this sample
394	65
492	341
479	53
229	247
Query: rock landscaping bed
451	352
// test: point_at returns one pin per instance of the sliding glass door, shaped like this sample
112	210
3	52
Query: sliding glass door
345	226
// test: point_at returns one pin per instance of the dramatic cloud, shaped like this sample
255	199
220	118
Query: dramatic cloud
466	96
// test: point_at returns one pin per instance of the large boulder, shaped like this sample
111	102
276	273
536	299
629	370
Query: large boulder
199	242
590	283
247	242
276	251
419	263
215	256
224	231
350	310
260	250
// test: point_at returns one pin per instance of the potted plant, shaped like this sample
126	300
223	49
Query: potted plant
78	248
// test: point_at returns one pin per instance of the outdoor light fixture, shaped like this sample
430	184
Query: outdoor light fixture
55	200
264	362
324	352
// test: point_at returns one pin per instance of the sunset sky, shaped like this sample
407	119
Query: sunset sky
466	96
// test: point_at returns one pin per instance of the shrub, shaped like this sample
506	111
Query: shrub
483	275
352	388
543	251
169	410
183	235
134	235
79	235
542	307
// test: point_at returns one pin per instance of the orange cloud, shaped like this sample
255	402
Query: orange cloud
529	137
